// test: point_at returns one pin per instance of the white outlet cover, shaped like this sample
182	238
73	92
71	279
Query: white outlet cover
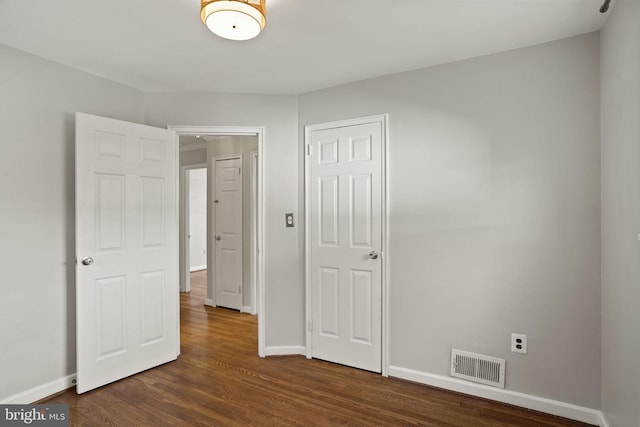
519	339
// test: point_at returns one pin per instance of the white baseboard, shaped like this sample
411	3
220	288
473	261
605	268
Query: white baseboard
209	302
197	268
554	407
285	350
245	309
41	391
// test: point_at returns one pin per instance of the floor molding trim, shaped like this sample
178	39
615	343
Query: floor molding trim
603	421
245	309
209	302
285	350
554	407
197	268
40	392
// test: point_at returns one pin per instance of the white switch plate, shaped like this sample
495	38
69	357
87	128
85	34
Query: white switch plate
288	220
519	343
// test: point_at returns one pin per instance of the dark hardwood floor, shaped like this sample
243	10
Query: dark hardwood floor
219	380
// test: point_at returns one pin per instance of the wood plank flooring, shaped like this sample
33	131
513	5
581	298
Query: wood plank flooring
220	381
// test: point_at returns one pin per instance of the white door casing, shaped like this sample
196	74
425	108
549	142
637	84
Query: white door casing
261	252
228	233
253	232
345	230
185	273
127	233
197	222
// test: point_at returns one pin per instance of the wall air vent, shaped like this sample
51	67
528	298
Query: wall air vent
477	368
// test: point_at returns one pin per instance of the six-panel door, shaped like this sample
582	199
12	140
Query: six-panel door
228	233
346	239
127	249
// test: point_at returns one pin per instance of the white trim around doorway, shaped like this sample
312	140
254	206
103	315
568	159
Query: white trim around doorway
258	131
185	270
253	235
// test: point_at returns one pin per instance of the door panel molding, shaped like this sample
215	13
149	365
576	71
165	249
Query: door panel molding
359	150
127	238
227	256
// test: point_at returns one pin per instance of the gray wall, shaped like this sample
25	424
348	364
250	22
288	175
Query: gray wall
494	211
223	147
494	199
193	157
284	288
37	240
620	68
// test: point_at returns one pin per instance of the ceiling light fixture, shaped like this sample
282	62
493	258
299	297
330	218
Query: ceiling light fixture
234	19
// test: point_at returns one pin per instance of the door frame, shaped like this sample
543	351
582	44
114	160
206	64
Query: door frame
252	231
259	132
383	120
185	254
211	185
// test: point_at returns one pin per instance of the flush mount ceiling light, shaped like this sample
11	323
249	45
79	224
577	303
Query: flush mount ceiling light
234	19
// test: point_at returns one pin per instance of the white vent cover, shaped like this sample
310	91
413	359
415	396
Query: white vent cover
478	368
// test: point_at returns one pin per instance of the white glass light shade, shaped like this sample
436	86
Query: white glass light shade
234	19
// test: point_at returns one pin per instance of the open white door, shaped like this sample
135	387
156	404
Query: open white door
228	233
345	228
126	249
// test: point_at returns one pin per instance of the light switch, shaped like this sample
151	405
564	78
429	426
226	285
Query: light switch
289	219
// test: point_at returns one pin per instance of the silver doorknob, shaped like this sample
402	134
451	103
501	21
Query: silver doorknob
87	260
218	237
373	255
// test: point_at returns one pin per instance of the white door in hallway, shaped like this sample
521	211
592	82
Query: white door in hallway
126	249
345	183
228	233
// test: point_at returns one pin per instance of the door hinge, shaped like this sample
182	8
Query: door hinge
239	289
310	325
239	171
309	150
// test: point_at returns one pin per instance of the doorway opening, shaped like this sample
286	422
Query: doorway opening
193	222
205	147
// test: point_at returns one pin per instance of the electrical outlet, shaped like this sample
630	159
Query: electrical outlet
519	343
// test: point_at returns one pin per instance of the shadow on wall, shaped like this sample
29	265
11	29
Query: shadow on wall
70	240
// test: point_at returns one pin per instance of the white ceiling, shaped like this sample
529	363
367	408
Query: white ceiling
161	45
